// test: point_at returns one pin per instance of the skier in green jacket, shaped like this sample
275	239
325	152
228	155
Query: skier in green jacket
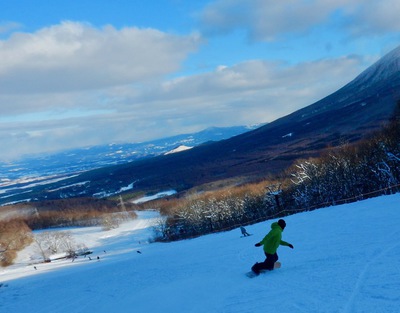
271	243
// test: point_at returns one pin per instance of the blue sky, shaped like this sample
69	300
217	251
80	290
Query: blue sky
81	73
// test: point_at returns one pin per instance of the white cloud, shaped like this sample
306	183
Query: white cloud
250	92
266	20
252	78
53	82
374	18
73	85
75	56
7	27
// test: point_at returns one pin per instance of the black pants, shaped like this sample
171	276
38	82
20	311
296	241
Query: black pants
268	264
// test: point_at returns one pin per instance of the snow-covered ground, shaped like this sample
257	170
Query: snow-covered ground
345	259
156	196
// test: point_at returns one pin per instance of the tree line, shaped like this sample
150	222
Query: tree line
369	168
346	173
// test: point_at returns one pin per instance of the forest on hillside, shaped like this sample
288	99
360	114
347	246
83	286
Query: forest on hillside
347	173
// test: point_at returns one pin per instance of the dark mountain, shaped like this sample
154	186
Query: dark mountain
348	115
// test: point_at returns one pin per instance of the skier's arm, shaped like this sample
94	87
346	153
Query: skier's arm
284	243
259	244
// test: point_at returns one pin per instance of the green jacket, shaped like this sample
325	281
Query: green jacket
273	239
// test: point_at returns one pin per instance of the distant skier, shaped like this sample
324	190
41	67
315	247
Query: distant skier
271	243
244	231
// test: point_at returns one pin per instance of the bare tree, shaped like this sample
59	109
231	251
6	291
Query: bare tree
49	243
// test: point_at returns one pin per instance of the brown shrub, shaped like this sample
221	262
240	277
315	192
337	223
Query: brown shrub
71	212
14	236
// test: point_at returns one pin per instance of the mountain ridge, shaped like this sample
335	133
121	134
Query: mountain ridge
351	113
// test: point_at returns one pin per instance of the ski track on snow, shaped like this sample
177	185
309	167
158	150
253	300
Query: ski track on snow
372	260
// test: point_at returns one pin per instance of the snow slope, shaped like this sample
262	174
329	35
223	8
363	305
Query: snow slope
346	259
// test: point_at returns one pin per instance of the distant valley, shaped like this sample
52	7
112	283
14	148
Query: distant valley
20	176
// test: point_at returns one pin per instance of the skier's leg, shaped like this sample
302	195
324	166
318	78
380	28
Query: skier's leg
256	268
269	262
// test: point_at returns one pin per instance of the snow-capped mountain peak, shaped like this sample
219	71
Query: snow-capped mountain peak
178	149
384	68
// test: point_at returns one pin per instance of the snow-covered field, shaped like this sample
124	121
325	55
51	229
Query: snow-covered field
345	259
